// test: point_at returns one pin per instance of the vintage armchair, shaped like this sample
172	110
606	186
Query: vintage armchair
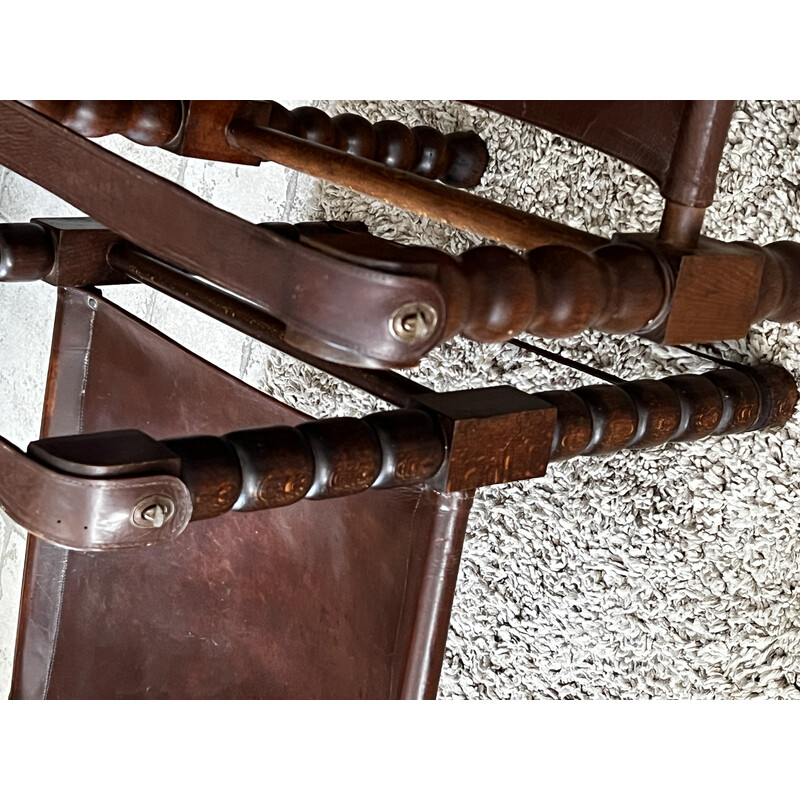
351	596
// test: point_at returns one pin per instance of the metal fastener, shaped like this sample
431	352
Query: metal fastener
152	512
414	322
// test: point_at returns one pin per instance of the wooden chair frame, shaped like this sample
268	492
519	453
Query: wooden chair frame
427	457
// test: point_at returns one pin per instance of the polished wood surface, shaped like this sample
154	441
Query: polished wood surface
779	295
273	467
601	419
147	122
677	287
457	441
634	284
458	159
297	285
462	210
494	293
108	370
197	129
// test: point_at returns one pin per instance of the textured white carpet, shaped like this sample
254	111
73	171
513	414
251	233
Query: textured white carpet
668	573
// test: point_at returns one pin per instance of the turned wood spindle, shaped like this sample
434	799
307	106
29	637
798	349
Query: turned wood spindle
264	468
462	439
589	287
557	291
211	471
603	419
457	159
147	122
270	467
493	294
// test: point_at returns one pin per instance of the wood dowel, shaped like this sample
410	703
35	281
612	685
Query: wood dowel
452	206
681	225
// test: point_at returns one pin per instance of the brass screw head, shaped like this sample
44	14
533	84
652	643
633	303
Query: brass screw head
152	512
414	322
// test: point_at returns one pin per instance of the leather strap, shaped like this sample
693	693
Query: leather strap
335	309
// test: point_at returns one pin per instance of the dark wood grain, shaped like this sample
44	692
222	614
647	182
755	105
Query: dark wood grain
277	466
494	435
254	469
211	471
148	122
637	414
197	129
493	293
406	190
779	295
26	252
458	441
458	159
715	294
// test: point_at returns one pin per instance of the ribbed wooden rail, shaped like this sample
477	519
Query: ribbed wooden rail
276	466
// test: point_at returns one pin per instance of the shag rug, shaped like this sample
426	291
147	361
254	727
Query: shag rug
668	573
